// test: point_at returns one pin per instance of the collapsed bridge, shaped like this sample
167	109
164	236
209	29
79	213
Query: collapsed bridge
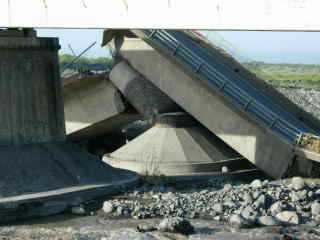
206	112
240	109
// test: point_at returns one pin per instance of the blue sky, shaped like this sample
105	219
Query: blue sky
276	47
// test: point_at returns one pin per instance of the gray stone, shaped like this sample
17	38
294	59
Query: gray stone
276	208
78	210
288	217
247	198
239	221
176	225
256	194
146	228
229	204
249	214
297	183
268	221
224	169
108	207
227	187
256	184
218	208
260	202
315	209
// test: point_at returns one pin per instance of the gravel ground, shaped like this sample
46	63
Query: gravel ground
308	99
245	205
257	210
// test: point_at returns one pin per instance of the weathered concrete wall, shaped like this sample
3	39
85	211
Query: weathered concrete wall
93	106
30	98
257	144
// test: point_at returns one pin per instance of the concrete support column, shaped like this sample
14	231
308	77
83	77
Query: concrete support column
30	98
41	173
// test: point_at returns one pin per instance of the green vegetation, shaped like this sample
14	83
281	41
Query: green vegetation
291	75
84	63
295	75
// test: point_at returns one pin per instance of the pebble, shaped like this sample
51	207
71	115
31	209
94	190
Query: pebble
288	217
176	225
249	214
78	210
276	208
218	208
268	221
315	209
108	207
260	202
227	187
238	221
256	184
224	169
146	228
247	198
297	183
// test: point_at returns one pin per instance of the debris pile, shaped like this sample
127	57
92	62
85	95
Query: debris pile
260	203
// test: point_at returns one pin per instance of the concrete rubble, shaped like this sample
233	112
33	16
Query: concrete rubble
223	210
260	203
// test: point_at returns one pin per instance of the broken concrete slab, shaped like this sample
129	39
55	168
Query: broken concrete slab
94	107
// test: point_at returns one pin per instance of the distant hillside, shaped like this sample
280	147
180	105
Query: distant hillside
293	75
300	75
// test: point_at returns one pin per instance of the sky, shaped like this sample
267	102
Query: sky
272	47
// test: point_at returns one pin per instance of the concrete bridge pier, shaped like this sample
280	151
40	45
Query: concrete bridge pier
40	172
177	145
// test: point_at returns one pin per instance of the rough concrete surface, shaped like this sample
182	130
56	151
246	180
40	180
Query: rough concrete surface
248	138
93	106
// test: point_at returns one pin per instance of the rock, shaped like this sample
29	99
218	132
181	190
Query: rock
288	217
256	184
247	198
276	208
229	204
297	183
108	207
315	209
78	210
260	202
268	221
227	187
249	214
224	169
176	225
146	228
218	208
238	221
256	194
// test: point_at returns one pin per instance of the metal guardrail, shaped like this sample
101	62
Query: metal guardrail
245	100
